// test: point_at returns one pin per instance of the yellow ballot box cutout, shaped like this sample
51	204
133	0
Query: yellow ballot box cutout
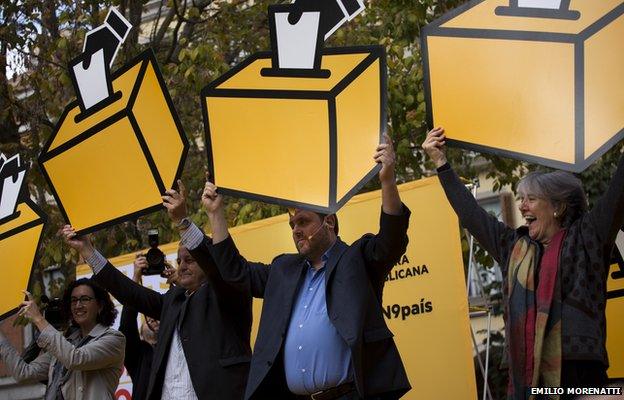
19	241
538	81
294	140
112	162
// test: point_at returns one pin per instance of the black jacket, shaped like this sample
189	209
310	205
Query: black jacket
215	327
139	354
355	277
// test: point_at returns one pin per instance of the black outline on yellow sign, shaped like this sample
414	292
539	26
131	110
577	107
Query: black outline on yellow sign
376	52
43	218
617	274
562	13
617	293
147	55
581	163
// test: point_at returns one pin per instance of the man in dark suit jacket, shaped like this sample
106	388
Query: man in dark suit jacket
322	333
203	347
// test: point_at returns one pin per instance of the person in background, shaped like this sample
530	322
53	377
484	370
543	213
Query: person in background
88	363
554	269
140	347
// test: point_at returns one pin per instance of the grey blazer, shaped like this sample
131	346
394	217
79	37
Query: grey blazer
94	368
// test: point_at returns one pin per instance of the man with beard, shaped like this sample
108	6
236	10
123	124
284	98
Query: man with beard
322	333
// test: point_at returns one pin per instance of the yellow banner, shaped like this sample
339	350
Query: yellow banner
425	296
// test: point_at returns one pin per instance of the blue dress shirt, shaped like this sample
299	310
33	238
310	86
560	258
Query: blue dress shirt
316	357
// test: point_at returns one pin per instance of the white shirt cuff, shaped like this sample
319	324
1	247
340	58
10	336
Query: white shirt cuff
96	261
192	237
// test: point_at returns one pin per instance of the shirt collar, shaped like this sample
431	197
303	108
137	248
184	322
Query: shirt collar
324	257
97	330
188	293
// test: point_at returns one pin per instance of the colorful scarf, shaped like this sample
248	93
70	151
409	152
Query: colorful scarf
533	326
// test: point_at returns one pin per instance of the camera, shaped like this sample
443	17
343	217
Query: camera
155	257
53	312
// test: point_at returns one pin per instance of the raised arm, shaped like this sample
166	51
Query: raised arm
124	289
102	352
384	249
199	245
193	238
608	212
390	200
36	370
493	235
232	267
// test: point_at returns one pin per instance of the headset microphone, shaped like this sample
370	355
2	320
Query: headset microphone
317	230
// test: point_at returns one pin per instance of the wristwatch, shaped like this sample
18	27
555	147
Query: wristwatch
184	224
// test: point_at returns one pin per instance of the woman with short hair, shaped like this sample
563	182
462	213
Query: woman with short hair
555	271
88	362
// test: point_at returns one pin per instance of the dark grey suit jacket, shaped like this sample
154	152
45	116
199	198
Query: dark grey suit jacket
355	277
215	327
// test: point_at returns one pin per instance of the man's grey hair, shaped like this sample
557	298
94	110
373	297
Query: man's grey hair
560	188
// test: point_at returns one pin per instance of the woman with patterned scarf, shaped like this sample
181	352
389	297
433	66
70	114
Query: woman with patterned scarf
555	271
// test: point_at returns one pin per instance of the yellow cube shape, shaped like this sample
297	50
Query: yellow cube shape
298	142
544	90
113	163
19	241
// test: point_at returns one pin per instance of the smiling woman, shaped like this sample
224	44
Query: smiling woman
87	361
549	202
555	269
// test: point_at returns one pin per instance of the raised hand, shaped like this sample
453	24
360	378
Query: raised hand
385	156
211	200
435	146
213	203
140	265
30	310
175	203
81	243
171	274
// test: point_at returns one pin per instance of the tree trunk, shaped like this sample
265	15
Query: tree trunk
133	11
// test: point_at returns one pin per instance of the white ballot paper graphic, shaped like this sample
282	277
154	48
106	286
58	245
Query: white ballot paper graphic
90	72
11	179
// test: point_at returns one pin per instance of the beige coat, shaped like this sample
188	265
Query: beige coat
95	367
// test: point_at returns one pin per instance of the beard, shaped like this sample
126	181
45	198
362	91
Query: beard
316	246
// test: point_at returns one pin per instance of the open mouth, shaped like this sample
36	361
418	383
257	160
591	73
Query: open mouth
80	313
529	219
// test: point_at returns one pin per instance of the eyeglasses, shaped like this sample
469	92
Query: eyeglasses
82	299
